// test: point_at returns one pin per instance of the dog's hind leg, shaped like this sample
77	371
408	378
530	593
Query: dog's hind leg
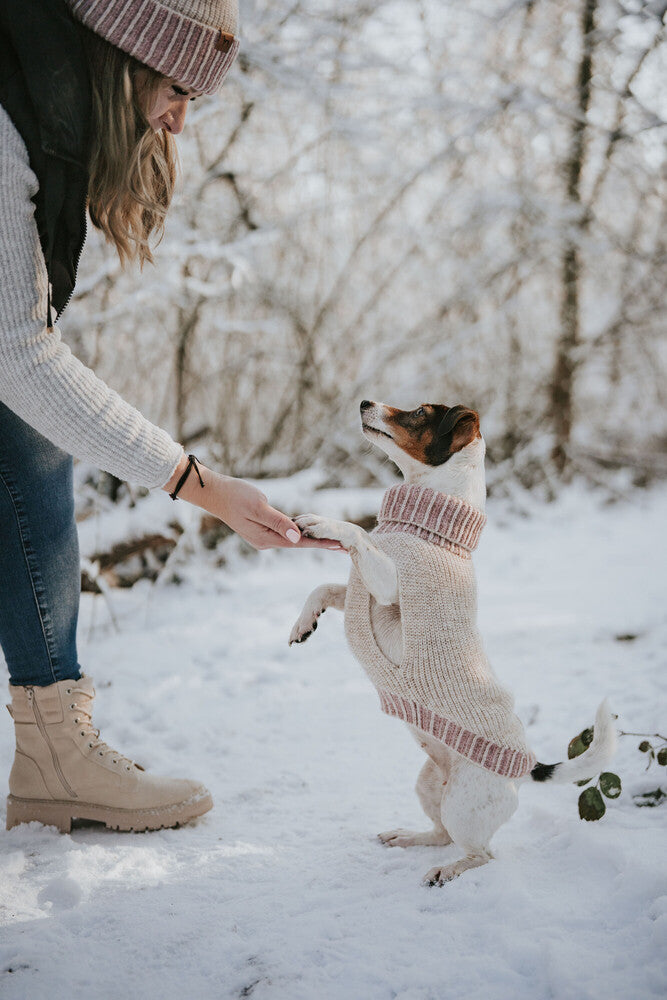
477	804
430	787
329	595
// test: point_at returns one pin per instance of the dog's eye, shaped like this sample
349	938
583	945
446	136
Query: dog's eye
419	412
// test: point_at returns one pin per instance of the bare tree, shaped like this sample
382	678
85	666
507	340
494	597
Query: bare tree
461	203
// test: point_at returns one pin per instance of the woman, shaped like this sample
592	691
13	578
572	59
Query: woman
91	94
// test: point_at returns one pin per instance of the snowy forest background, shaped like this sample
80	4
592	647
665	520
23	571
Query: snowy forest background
410	201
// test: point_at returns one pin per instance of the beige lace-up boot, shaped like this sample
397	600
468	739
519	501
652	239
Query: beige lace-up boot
64	771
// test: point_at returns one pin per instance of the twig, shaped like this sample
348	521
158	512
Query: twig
93	570
654	736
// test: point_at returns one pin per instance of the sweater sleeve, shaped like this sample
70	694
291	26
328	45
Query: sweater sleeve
40	379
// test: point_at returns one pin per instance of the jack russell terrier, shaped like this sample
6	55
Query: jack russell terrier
410	618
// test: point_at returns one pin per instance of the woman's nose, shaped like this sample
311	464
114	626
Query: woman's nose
174	119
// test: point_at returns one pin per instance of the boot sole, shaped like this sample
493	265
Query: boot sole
60	814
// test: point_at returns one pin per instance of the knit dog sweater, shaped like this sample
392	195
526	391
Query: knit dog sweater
444	684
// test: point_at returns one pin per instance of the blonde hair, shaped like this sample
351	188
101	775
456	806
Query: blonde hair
132	169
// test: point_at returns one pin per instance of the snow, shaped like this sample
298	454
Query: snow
282	892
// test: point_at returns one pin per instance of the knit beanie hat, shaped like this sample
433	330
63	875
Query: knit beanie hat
191	41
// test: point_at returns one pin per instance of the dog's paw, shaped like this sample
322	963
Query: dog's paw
446	873
440	875
411	838
314	526
398	838
303	628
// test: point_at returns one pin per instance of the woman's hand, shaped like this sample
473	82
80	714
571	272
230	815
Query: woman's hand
244	508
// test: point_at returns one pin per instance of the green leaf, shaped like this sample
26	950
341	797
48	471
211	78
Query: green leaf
591	805
610	784
584	782
644	746
662	756
580	743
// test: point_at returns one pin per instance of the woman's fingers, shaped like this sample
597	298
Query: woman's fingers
279	523
320	543
274	529
284	527
247	512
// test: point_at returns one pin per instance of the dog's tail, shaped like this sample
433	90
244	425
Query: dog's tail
589	763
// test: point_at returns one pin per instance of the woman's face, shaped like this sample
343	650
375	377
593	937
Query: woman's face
169	107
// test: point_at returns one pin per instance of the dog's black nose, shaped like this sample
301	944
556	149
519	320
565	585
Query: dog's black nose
365	403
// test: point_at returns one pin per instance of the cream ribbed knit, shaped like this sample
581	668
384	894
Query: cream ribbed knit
444	684
40	379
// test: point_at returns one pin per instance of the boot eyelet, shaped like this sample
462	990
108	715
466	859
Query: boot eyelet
100	753
72	706
83	734
68	691
90	745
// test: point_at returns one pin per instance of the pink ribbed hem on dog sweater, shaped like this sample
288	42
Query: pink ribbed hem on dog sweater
502	760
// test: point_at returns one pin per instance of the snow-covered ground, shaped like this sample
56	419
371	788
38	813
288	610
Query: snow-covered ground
282	892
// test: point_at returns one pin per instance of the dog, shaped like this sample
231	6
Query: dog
410	618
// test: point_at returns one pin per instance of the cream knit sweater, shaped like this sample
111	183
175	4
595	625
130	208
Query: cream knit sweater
40	379
444	685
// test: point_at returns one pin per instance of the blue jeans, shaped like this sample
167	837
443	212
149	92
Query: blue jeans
40	576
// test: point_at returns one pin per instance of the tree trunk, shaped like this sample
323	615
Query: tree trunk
562	382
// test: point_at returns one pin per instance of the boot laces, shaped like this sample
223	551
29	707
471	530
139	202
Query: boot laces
84	721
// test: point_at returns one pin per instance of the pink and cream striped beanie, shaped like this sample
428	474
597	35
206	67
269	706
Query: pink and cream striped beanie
191	41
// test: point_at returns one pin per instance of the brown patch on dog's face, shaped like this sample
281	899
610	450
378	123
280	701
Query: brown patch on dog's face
432	433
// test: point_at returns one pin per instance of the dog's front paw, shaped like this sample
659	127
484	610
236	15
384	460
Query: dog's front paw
314	526
304	627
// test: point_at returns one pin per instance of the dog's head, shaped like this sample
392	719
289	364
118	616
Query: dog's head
424	438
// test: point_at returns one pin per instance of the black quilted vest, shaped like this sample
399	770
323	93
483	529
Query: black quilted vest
45	89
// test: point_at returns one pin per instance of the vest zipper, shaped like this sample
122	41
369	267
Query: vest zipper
42	728
77	261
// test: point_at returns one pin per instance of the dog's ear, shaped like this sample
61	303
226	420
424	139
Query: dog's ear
453	416
462	423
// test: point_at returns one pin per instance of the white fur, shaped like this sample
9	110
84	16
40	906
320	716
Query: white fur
598	754
465	803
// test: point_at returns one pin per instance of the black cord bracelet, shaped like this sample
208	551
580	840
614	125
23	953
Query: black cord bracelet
193	463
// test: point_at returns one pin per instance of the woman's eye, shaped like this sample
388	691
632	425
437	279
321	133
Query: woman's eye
179	92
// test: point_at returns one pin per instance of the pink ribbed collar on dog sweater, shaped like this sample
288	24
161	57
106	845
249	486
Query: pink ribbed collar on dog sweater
436	517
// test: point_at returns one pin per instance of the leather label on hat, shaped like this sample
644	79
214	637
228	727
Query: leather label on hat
224	41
